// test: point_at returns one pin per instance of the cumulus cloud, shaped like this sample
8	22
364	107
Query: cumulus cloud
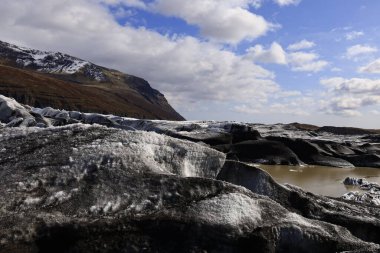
349	96
274	54
286	94
353	85
287	2
299	61
228	21
375	112
184	68
277	108
348	106
371	68
306	62
336	69
302	61
303	44
300	105
353	35
131	3
359	50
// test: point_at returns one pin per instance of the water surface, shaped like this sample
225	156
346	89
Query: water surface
320	179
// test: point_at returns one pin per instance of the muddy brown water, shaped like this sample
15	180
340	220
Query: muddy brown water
322	180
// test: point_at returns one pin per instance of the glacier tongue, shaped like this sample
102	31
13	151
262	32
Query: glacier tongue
83	188
68	186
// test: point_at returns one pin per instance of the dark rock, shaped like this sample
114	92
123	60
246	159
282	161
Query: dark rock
334	148
15	122
272	152
369	148
345	130
76	115
241	132
354	181
188	128
329	161
372	138
316	153
367	160
302	127
252	178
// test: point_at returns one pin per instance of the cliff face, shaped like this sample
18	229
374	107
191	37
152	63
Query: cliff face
43	79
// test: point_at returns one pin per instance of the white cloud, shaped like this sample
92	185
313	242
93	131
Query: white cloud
287	2
227	21
130	3
303	44
306	62
184	68
354	35
298	61
121	12
299	106
359	50
335	69
246	109
286	94
256	3
353	85
348	106
274	54
371	68
348	97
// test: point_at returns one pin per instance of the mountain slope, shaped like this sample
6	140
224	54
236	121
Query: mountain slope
58	80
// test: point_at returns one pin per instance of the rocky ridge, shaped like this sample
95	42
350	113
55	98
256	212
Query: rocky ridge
79	182
49	62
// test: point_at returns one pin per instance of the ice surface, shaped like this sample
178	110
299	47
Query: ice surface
84	177
233	209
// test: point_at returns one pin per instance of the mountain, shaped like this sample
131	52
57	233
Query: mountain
41	79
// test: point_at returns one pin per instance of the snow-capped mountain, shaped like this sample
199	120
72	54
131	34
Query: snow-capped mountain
50	62
42	78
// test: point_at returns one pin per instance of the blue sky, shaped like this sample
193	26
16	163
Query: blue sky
247	60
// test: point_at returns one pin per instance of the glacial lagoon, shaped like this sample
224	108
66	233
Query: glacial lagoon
321	180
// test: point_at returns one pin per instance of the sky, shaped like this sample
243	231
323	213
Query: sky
262	61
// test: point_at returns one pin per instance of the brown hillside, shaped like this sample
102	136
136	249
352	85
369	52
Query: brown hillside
124	98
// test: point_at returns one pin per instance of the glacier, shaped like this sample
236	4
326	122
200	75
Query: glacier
82	182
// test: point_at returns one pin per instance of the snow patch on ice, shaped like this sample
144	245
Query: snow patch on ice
32	201
234	209
106	207
298	219
58	197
